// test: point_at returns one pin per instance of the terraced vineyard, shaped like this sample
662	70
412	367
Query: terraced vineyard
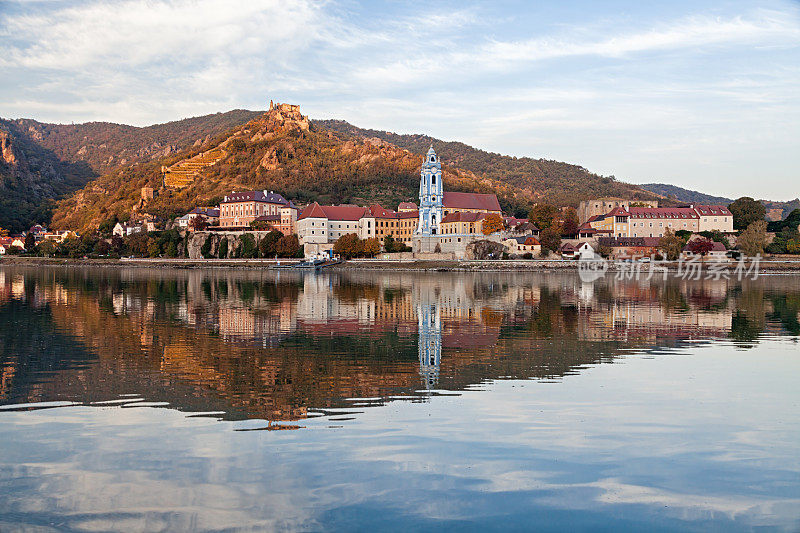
183	173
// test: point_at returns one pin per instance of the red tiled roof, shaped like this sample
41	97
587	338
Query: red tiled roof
513	221
663	212
469	200
532	241
408	214
378	211
333	212
567	247
617	212
708	210
461	216
595	218
407	205
268	218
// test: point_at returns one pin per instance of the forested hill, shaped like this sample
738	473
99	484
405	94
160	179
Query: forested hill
281	151
685	195
551	181
42	162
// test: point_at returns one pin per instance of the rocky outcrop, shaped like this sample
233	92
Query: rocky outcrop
6	149
484	249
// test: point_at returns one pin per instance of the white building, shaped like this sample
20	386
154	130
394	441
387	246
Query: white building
430	195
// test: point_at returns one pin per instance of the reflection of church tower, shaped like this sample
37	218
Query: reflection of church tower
430	343
430	195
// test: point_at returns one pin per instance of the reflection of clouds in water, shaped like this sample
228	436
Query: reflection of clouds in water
119	472
554	446
710	433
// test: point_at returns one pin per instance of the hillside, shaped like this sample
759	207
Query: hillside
280	150
685	195
544	179
42	162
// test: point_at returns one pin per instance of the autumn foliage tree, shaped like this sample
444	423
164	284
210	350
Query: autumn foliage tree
348	246
544	215
571	223
288	246
671	245
371	247
753	240
492	223
701	247
197	223
551	238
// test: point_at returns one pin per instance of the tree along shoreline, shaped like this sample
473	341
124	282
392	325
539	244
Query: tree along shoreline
767	265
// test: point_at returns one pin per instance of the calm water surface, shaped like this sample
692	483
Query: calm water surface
149	400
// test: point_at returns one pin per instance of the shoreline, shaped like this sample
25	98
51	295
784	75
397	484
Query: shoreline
487	265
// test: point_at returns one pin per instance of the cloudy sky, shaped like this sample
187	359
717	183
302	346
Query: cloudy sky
704	95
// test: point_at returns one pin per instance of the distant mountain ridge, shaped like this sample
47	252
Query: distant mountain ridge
685	195
775	210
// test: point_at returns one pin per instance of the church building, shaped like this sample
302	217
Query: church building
431	207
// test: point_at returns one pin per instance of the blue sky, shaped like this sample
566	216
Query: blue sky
704	95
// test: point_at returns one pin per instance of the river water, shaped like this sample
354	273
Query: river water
169	400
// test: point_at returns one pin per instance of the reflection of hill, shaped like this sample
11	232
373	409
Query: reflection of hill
254	344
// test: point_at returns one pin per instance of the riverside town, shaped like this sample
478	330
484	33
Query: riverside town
438	225
377	266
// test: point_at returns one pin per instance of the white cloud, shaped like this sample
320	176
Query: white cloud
138	32
611	93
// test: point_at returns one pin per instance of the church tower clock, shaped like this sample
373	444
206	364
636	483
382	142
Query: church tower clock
430	195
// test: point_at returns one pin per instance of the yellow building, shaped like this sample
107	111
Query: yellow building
462	223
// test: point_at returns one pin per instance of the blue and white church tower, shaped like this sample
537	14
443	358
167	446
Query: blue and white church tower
430	195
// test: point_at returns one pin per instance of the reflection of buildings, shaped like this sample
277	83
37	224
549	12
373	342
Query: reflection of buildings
283	347
429	326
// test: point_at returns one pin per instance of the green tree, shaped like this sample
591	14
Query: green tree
107	226
136	244
205	250
30	242
153	249
223	248
249	248
260	225
671	245
551	238
716	236
46	248
268	245
172	249
753	240
389	243
102	247
745	211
